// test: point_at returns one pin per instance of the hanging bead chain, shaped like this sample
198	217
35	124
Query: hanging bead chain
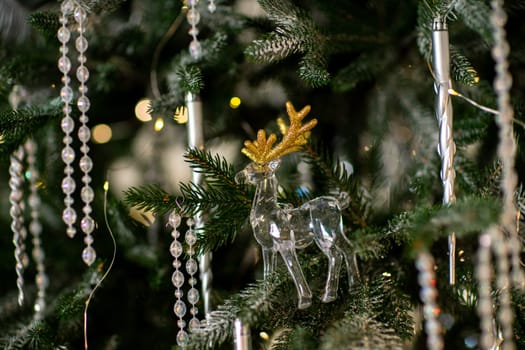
484	277
428	294
507	143
177	278
87	224
17	225
193	17
447	147
35	228
69	215
191	269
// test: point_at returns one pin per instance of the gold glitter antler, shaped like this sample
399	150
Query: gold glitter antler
295	135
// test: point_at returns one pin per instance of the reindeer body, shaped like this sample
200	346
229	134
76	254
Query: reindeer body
284	229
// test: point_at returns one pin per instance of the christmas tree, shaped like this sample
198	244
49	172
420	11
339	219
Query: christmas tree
95	97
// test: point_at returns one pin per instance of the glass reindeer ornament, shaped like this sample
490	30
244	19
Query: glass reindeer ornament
281	228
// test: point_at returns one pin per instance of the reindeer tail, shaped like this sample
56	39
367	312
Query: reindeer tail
344	200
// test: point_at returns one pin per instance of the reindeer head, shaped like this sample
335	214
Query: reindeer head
265	156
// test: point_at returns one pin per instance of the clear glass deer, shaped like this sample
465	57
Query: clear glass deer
283	229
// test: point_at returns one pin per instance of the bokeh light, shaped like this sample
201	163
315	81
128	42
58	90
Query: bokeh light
141	110
102	133
235	102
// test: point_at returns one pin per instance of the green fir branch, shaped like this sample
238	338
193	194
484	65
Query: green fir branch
190	78
17	125
46	22
364	68
360	332
151	198
338	179
461	69
476	15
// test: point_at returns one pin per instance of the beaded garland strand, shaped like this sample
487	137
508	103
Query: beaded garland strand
87	224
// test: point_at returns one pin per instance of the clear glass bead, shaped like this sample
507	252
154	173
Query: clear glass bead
68	170
179	308
86	179
192	281
86	209
66	94
80	14
63	50
69	200
86	164
195	49
191	236
84	148
193	31
175	234
69	216
87	224
83	89
68	155
179	293
71	232
190	222
174	219
82	74
193	16
67	7
191	266
181	323
64	64
67	139
66	109
193	2
194	324
84	134
177	279
194	310
35	227
89	255
193	296
182	338
81	59
81	45
67	124
83	104
63	35
212	7
68	185
88	240
87	194
176	249
65	80
176	264
42	280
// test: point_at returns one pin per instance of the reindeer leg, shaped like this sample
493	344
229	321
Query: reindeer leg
268	255
335	261
304	293
345	247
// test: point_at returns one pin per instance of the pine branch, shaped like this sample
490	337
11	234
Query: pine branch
338	180
360	332
151	198
45	22
99	6
364	68
461	69
17	125
475	14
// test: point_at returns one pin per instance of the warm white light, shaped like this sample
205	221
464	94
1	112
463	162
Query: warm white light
159	124
101	133
141	110
264	335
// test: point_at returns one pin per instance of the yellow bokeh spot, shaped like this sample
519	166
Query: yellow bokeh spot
264	335
1	138
235	102
159	124
102	133
141	110
106	186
